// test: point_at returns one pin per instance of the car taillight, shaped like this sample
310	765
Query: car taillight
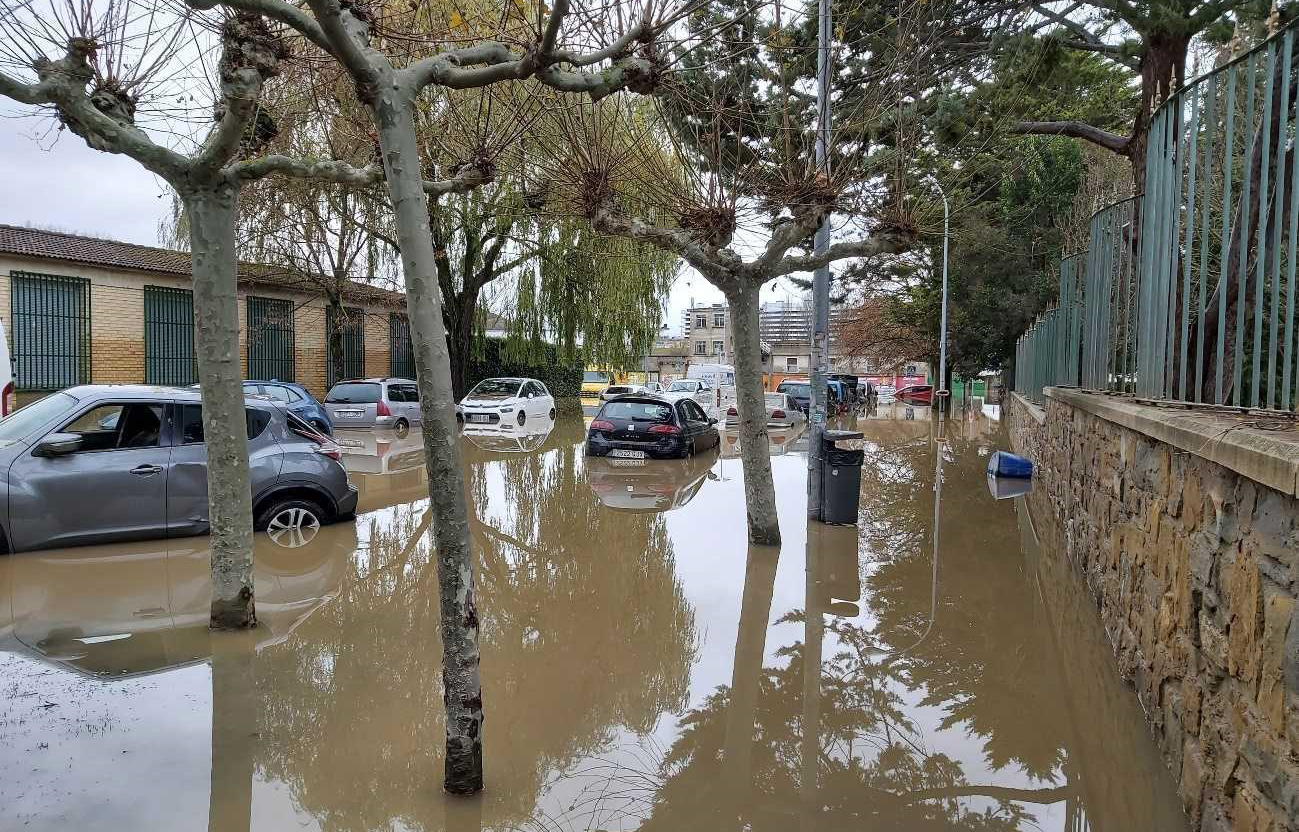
778	414
381	409
4	399
332	451
600	424
664	429
732	412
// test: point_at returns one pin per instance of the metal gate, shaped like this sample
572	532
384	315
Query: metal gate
402	356
270	339
169	336
51	337
346	336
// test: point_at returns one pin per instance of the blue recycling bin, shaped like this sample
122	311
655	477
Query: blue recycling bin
1006	464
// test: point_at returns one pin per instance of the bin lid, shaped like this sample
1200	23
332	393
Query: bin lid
836	435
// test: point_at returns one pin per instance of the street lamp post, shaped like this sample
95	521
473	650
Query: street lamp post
943	392
818	404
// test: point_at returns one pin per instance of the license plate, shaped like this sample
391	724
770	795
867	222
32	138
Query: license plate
349	414
623	453
627	463
478	418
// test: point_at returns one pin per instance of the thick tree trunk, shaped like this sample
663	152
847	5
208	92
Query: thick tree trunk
759	490
216	340
460	317
1163	65
462	691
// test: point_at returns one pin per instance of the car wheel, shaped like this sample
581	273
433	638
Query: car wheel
552	414
291	523
523	417
401	428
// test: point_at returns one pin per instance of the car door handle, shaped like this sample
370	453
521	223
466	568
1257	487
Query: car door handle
146	470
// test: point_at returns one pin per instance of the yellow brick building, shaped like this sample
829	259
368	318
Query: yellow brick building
80	310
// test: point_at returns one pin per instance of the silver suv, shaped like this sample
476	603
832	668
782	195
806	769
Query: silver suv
374	402
100	463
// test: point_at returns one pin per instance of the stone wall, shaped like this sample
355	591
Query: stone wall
1194	568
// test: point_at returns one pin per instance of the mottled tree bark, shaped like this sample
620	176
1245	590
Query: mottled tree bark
759	488
462	690
216	340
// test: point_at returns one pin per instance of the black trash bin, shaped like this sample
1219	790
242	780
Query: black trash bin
841	478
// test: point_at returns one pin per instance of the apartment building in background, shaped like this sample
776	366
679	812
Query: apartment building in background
81	310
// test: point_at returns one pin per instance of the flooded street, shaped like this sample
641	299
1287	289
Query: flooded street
643	668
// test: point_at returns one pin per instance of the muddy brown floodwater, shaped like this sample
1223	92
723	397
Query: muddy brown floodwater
643	668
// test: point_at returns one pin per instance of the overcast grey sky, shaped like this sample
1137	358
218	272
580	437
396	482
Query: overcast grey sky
57	182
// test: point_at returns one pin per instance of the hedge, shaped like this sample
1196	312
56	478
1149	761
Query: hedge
563	380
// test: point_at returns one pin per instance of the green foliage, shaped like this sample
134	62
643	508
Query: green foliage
544	362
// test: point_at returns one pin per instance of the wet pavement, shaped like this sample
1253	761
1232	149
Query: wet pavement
643	668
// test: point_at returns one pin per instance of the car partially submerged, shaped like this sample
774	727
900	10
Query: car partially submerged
101	463
782	412
641	426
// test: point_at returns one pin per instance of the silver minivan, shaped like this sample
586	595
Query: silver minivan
374	402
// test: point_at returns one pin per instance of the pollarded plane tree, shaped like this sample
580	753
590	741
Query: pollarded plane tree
747	191
391	54
134	77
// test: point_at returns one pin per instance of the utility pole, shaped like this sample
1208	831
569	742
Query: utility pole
941	386
821	277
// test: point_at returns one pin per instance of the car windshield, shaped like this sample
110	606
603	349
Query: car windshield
496	387
682	387
803	390
637	411
27	419
353	393
593	377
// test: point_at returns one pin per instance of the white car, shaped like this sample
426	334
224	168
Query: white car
517	400
782	412
618	390
696	388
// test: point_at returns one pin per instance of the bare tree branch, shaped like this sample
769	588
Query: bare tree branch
276	10
884	243
1077	130
341	173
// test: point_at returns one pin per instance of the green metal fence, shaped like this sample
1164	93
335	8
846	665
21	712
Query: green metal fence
270	339
1188	293
169	336
51	331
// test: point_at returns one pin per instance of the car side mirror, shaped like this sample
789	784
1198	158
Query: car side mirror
712	421
58	444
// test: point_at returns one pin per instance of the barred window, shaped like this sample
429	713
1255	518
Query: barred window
51	331
270	339
345	346
401	355
169	336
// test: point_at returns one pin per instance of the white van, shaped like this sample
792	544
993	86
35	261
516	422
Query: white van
6	375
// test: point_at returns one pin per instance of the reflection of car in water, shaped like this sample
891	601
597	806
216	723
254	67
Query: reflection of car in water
134	608
386	469
641	485
506	438
779	440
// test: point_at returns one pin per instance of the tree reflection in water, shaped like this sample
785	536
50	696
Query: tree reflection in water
585	630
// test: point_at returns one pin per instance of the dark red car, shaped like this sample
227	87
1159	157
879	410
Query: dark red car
916	394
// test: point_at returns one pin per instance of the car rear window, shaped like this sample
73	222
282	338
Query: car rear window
795	389
353	393
638	411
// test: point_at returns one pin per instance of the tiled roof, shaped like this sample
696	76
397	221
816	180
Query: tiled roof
114	254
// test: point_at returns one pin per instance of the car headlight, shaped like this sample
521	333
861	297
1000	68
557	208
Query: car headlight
507	410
